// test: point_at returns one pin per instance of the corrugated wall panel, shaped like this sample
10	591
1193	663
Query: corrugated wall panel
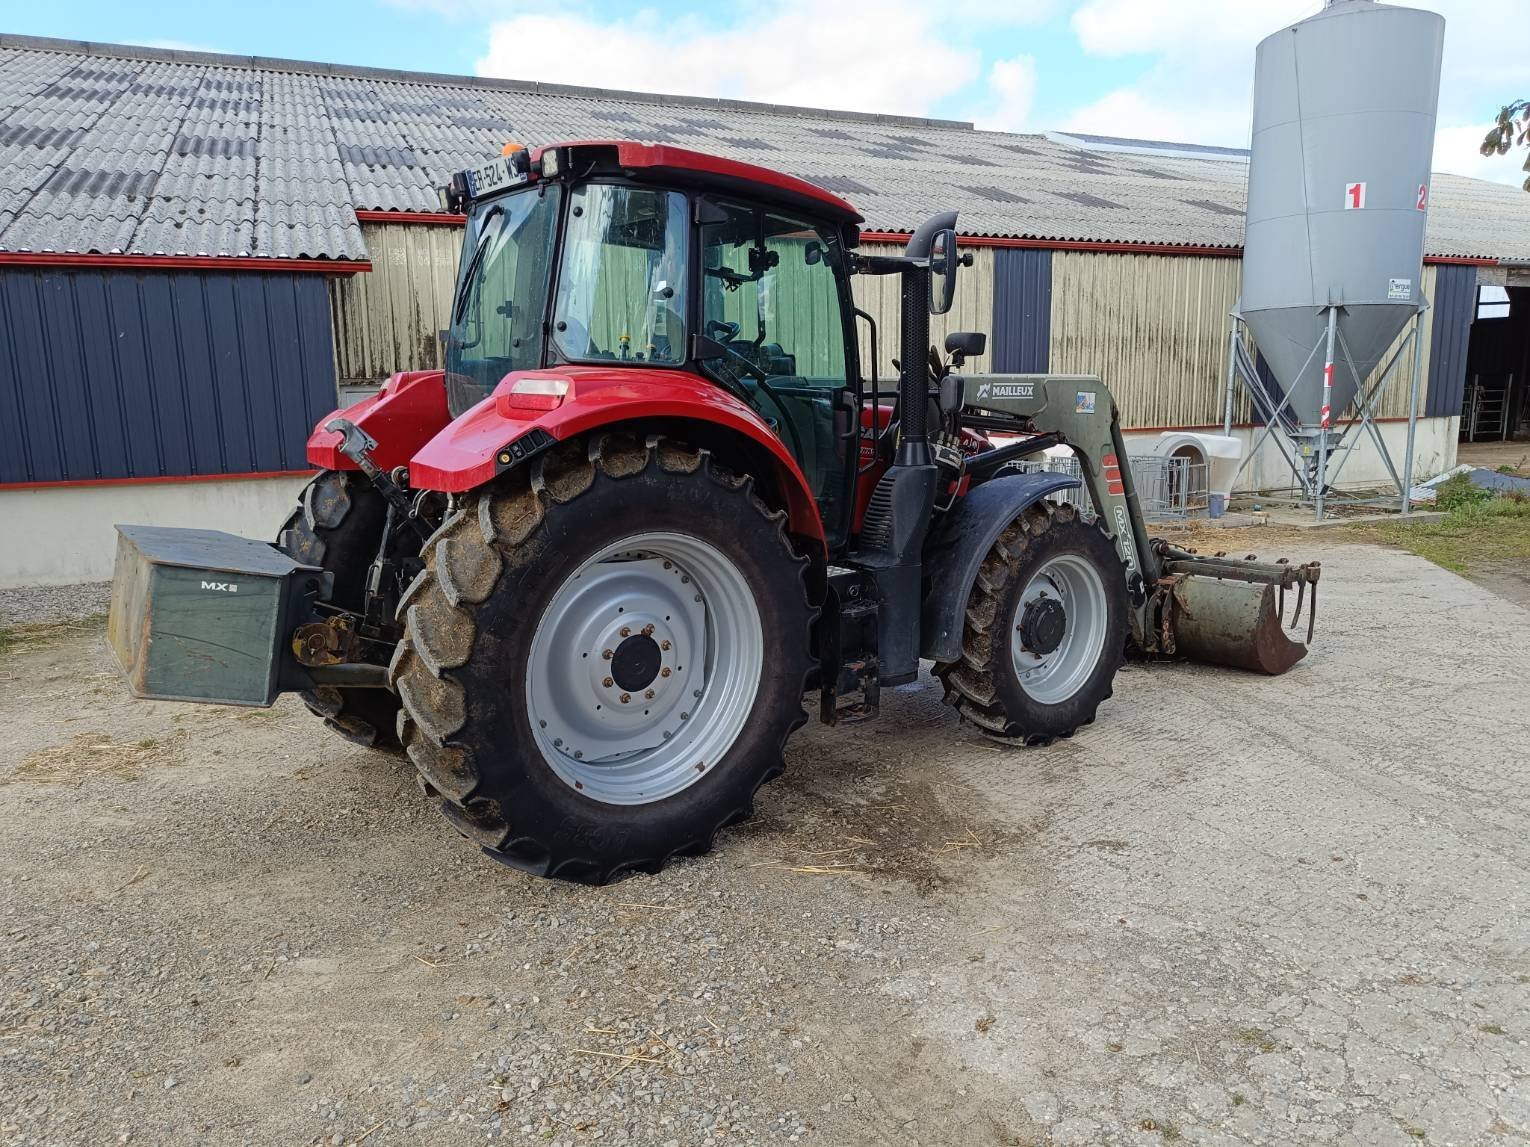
134	374
1153	327
971	310
1022	311
389	319
1394	399
1455	308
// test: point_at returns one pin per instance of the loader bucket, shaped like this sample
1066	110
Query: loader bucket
1234	623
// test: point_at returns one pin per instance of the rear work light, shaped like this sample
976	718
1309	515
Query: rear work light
531	394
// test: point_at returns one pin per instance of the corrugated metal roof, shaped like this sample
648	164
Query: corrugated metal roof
146	151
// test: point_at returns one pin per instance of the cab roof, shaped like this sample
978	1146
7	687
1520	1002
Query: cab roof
662	162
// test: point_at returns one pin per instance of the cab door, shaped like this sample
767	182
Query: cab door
776	326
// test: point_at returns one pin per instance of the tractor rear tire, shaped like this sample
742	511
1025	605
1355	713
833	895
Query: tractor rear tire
1045	630
338	526
559	608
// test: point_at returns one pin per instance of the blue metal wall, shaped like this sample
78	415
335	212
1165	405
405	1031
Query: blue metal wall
1455	306
1022	310
132	374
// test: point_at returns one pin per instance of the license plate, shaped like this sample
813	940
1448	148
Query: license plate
496	175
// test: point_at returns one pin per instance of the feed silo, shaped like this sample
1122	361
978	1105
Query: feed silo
1338	194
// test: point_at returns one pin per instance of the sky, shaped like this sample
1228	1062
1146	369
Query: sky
1164	69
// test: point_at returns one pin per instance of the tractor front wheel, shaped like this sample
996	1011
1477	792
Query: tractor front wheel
1045	630
604	658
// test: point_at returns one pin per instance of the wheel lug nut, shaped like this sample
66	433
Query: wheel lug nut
647	630
626	697
664	645
626	631
664	672
608	655
648	695
607	682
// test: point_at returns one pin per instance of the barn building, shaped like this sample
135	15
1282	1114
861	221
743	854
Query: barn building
199	252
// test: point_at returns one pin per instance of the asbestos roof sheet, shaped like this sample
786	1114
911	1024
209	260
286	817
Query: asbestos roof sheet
112	149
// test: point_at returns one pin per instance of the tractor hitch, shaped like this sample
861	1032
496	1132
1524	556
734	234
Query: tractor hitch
201	615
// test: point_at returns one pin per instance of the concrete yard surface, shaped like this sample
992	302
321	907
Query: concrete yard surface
1233	910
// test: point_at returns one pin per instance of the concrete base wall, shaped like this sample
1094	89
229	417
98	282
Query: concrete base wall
1434	450
64	534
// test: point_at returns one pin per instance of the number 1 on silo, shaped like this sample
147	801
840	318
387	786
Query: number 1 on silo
1354	196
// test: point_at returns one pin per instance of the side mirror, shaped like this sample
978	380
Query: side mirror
962	345
943	263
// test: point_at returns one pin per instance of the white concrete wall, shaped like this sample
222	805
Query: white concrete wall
63	534
1434	450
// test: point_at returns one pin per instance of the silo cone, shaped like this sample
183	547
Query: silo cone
1338	193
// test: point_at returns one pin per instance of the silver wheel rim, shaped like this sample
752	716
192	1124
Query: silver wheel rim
1053	676
666	603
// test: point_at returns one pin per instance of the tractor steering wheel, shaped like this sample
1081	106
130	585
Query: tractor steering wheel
729	331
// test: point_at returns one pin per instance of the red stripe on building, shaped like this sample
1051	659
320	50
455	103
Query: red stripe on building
1121	248
183	262
154	480
436	218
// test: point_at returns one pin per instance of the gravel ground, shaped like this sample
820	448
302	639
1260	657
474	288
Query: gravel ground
1235	910
51	604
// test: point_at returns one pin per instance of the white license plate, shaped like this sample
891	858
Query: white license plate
496	175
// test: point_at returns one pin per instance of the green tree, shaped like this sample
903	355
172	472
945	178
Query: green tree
1511	129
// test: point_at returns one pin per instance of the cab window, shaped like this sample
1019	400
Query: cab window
772	310
621	288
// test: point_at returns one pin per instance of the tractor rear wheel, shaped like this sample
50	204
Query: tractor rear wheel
1045	630
338	526
604	658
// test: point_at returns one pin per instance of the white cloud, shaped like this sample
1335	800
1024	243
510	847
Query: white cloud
1456	151
794	52
1198	85
1011	91
184	46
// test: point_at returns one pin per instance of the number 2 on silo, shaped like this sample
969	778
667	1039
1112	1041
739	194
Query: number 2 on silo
1354	196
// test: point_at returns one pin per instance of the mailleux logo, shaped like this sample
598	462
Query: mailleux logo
1005	390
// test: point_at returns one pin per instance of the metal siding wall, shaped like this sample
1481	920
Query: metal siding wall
1394	400
879	295
1153	327
388	319
1455	308
1022	311
132	374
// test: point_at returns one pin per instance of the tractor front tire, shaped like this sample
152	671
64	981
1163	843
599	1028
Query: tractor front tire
338	526
604	657
1045	630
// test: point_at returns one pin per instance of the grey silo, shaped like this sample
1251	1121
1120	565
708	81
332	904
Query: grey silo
1344	98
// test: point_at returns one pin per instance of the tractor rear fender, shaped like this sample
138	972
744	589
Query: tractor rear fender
957	546
563	402
405	414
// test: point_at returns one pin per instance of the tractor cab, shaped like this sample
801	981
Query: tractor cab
650	257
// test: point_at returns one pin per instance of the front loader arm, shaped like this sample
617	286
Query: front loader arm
1225	611
1080	412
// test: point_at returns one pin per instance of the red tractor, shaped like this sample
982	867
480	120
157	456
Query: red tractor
587	574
